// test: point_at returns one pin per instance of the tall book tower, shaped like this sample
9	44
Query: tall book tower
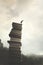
15	44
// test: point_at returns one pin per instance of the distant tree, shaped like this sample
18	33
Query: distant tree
1	44
32	60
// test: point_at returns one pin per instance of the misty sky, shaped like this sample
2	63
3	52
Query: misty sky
31	11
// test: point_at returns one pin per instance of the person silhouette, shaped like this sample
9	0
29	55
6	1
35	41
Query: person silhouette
22	21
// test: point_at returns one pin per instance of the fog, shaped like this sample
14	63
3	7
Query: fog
31	11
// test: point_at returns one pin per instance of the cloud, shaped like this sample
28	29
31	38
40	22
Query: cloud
33	29
18	8
13	8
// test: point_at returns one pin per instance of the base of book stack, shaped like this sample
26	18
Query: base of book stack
15	44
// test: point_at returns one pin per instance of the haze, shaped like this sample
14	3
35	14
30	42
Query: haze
31	11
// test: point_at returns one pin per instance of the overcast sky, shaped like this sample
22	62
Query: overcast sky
31	11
